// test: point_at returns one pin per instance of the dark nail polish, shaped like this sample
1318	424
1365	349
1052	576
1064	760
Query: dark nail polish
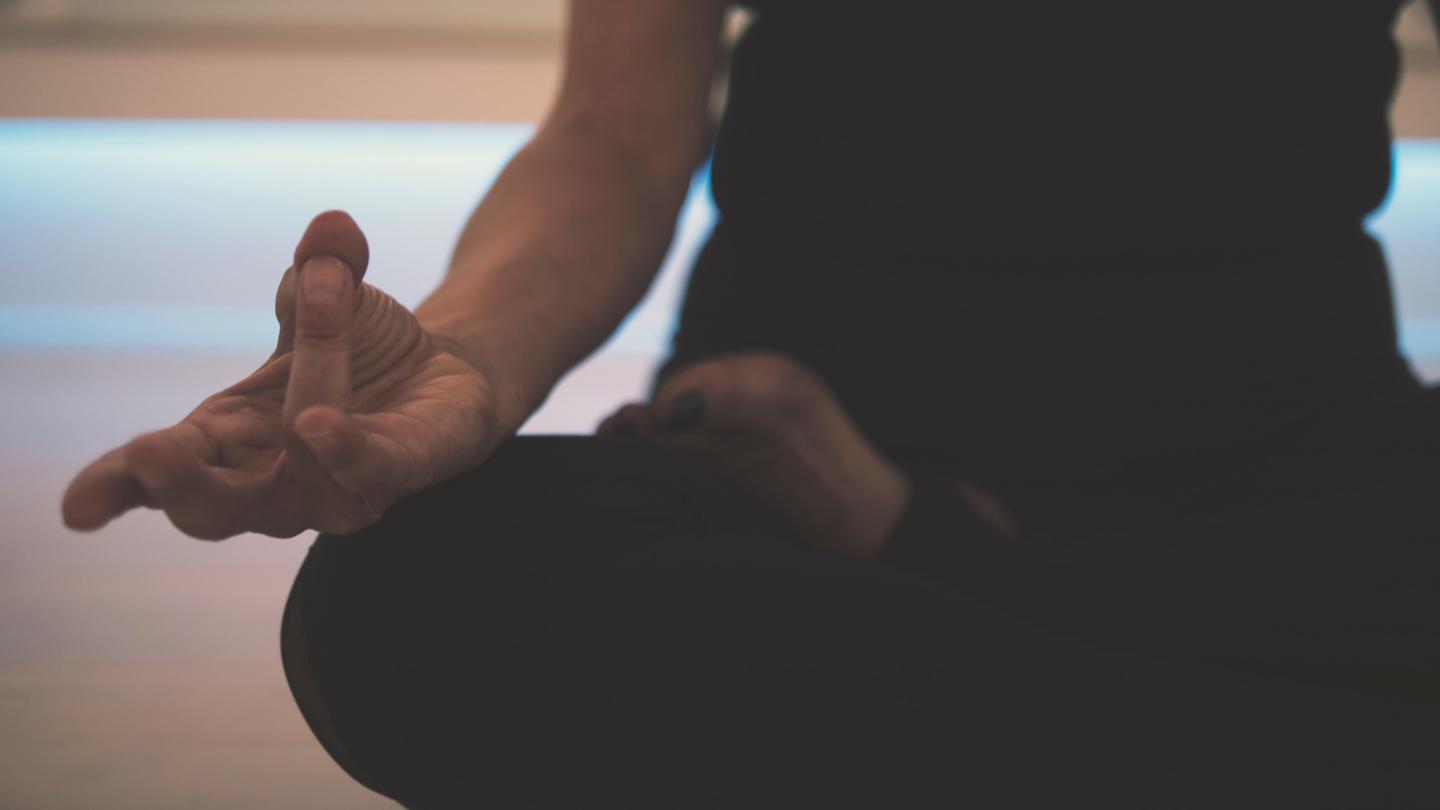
686	411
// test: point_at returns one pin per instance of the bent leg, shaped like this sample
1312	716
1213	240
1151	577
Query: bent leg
582	621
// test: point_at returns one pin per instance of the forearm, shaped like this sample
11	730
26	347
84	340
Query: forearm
562	247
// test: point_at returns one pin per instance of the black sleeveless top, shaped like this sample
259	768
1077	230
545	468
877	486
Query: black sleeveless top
1053	239
1056	127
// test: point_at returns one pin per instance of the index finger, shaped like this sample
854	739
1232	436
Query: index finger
334	233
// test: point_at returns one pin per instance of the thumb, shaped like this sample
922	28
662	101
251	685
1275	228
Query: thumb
332	233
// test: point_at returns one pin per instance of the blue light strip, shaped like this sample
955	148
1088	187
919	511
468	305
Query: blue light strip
88	209
245	328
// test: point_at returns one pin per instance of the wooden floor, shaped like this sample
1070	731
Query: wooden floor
138	668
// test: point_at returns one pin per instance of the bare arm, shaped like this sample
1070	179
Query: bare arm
574	230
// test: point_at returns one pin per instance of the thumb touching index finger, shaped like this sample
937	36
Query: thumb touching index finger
332	233
335	233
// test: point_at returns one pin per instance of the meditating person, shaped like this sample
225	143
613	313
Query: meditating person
1034	432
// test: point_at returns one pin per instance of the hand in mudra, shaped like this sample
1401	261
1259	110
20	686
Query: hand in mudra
358	407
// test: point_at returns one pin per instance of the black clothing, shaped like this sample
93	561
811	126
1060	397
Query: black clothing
584	621
1076	238
1057	130
1044	374
1106	259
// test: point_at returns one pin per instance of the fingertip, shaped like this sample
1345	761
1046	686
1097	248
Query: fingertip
87	491
616	428
335	233
703	391
88	524
94	499
632	420
72	511
78	516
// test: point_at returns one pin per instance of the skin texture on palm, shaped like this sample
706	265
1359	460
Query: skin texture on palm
357	407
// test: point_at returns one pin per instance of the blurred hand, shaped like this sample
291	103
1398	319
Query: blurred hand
773	426
358	407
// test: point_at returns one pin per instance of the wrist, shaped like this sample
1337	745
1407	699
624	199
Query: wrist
515	390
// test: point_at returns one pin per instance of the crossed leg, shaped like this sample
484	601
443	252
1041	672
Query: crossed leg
583	620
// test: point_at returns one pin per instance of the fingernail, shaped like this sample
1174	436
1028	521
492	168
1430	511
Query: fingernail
686	410
624	430
323	279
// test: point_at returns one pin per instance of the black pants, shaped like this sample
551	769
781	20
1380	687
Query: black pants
591	622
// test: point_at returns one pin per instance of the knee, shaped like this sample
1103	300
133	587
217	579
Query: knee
342	651
480	598
480	558
300	676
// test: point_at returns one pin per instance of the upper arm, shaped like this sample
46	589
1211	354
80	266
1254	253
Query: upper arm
638	74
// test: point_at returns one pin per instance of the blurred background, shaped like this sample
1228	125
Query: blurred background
158	161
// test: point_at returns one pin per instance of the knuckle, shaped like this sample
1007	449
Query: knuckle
324	330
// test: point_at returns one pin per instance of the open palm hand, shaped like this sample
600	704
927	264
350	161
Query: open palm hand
358	407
